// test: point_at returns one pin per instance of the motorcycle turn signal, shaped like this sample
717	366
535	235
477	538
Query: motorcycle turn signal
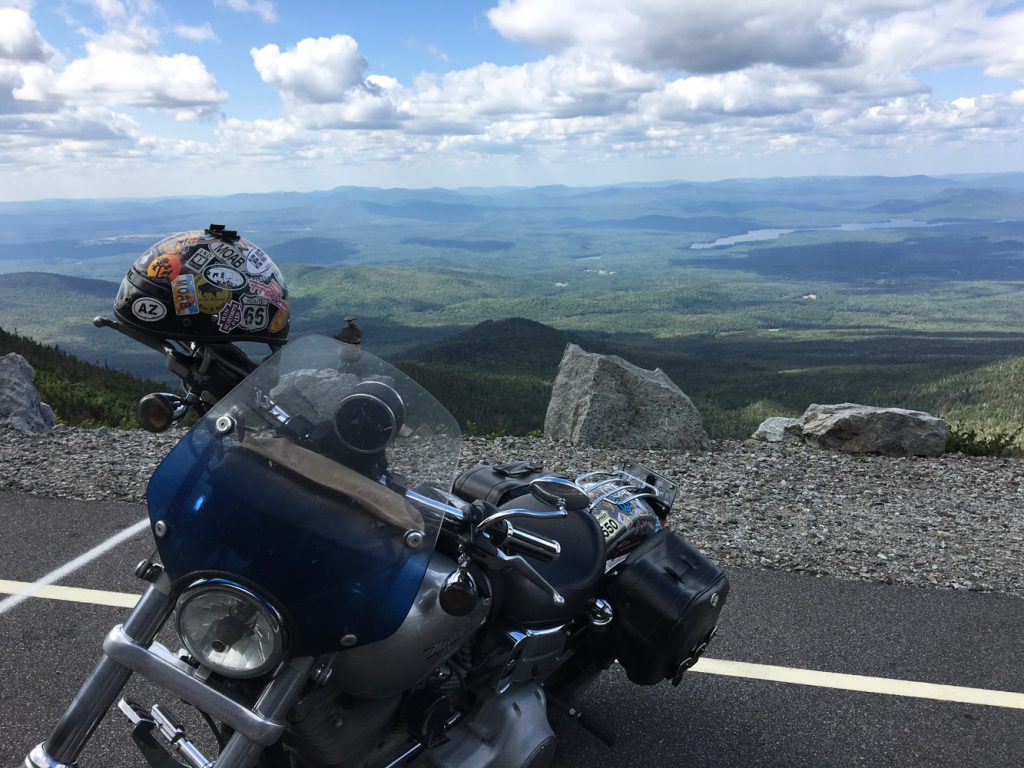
159	411
459	595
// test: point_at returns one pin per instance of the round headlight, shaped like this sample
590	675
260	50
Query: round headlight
229	629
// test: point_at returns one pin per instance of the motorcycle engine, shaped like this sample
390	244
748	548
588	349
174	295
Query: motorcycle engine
331	730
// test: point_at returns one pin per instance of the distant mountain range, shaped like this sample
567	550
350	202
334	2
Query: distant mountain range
893	290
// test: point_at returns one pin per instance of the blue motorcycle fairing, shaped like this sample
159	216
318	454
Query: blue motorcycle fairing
316	548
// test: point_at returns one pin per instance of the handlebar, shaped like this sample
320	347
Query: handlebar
526	543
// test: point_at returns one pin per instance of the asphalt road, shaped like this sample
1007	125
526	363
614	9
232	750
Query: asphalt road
952	638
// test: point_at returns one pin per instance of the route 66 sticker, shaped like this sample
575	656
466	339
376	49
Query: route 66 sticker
255	314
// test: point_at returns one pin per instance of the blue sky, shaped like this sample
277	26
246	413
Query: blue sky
130	98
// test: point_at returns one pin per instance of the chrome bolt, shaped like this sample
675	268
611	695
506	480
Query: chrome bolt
414	539
224	425
348	641
160	529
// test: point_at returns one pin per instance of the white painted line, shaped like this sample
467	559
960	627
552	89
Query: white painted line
72	594
883	685
56	575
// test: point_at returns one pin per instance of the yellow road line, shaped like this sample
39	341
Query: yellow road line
62	572
71	594
881	685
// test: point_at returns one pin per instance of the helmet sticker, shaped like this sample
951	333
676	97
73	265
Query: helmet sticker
148	310
170	247
272	292
228	254
255	314
200	259
280	321
229	317
166	266
257	262
211	298
224	277
204	285
183	288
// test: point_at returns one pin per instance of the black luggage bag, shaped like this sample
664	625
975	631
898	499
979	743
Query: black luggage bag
667	598
496	483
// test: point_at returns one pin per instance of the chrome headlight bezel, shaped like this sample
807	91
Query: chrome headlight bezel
265	612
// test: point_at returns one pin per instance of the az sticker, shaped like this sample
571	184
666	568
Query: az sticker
148	310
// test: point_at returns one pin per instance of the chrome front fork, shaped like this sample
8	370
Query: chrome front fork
103	685
130	648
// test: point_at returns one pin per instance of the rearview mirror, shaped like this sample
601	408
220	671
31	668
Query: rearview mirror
560	492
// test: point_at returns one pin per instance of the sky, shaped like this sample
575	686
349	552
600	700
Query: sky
153	98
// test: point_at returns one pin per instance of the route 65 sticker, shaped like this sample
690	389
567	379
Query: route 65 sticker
149	310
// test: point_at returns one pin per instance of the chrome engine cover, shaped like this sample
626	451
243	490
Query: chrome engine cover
509	731
427	637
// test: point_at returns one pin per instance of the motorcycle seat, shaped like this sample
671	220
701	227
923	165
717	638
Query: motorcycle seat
576	574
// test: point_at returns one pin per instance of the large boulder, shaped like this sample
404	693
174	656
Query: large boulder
865	429
779	429
605	402
20	406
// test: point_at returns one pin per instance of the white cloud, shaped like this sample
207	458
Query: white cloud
110	10
557	86
692	35
618	84
19	38
263	8
318	70
117	76
755	92
199	33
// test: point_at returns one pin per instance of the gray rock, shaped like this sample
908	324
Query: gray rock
604	401
779	429
20	407
865	429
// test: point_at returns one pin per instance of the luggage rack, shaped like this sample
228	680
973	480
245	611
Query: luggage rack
633	481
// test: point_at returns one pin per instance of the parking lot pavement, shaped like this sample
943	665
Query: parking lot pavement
773	620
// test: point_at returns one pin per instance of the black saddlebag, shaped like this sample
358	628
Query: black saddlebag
667	597
496	483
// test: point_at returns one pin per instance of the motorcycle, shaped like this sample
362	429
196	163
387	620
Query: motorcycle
341	603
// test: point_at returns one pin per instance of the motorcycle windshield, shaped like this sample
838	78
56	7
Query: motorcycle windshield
292	485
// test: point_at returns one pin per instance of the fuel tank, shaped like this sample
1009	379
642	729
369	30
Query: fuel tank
427	637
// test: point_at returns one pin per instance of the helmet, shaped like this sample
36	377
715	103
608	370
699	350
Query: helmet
209	286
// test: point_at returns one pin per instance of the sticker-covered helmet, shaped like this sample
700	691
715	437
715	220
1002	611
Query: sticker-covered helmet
208	286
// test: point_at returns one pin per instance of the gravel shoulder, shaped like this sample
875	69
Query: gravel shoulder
951	522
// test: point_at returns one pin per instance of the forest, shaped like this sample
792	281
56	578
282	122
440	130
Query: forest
757	296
